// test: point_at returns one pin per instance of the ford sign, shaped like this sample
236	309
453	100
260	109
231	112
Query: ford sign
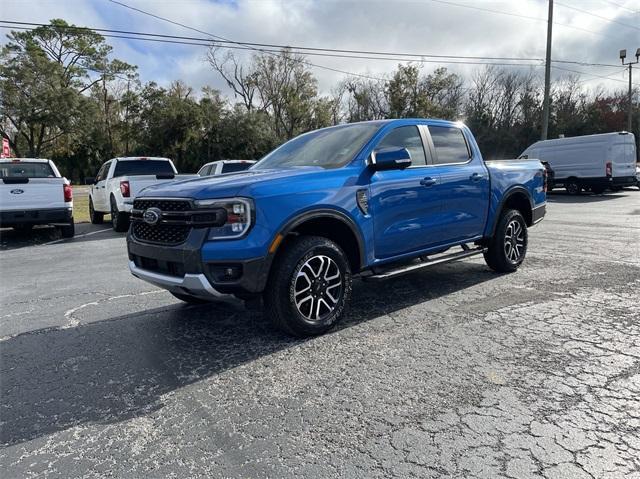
151	216
17	191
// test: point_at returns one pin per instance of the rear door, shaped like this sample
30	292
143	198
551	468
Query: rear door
623	158
404	203
463	187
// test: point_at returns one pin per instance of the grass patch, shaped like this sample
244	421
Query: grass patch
81	209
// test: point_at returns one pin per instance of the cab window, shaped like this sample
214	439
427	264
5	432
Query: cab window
450	145
406	137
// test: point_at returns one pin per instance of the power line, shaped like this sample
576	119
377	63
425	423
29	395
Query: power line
498	12
306	50
620	6
239	43
597	16
212	43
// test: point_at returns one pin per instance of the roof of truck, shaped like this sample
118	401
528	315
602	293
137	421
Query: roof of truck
30	160
135	158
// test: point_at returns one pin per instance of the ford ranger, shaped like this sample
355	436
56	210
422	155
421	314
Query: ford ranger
32	192
375	199
118	182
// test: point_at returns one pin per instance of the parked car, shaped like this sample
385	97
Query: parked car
225	166
118	182
638	176
594	162
33	192
376	199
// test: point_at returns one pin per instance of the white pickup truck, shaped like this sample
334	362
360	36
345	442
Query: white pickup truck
119	181
32	192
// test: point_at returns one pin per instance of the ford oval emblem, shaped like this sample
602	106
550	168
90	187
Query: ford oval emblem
151	216
17	191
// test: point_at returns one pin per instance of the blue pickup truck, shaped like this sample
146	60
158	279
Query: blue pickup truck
374	199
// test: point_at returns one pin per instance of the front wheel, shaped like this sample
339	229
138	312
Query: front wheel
119	220
309	286
508	246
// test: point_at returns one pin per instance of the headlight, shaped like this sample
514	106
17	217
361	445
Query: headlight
239	217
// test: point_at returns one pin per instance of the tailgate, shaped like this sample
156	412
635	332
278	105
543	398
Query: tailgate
31	193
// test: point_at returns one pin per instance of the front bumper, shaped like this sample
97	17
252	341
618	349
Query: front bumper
194	284
36	217
181	269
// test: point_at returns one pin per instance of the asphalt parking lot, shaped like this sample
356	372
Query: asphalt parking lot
455	371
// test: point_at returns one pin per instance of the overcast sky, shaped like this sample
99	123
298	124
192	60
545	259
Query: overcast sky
414	26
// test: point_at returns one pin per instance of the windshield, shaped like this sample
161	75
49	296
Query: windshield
327	148
143	167
24	169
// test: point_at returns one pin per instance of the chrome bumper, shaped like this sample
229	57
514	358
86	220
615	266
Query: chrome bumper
194	284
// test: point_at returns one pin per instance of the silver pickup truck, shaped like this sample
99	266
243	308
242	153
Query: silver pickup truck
32	192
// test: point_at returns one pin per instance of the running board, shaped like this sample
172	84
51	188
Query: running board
465	253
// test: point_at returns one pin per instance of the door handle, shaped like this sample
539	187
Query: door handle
428	181
476	177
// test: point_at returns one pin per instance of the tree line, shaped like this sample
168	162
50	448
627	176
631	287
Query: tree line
63	96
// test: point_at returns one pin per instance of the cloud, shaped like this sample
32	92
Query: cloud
427	27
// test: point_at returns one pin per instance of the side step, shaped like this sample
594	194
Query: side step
425	263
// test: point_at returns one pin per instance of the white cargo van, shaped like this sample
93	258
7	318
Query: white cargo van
594	162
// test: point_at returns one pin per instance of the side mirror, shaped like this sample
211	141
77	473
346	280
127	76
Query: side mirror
391	158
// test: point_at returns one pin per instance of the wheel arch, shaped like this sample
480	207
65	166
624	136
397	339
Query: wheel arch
331	224
517	198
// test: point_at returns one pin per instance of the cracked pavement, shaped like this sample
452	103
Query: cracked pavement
450	372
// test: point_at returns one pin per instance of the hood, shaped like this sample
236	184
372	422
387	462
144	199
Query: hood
222	186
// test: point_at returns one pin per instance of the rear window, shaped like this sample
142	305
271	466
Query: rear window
25	169
450	145
232	167
143	167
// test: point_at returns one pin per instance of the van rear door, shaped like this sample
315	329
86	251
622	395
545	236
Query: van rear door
623	156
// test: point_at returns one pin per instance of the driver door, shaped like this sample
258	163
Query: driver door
404	203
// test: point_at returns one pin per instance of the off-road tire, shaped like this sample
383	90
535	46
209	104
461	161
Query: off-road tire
280	293
96	217
119	220
496	256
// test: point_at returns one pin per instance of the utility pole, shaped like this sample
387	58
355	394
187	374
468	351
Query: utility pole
623	55
547	76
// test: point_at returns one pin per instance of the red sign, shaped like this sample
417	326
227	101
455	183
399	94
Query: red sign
6	151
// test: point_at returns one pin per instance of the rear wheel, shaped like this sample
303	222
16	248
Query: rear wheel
573	187
96	218
69	230
119	220
187	298
309	287
508	246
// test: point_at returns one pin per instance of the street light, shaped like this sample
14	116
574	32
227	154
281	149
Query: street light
623	55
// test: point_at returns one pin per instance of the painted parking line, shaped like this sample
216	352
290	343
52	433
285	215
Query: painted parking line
76	237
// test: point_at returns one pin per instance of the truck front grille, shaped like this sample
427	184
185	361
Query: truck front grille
163	204
160	234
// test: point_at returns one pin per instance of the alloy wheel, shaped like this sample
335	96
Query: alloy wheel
318	288
514	241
